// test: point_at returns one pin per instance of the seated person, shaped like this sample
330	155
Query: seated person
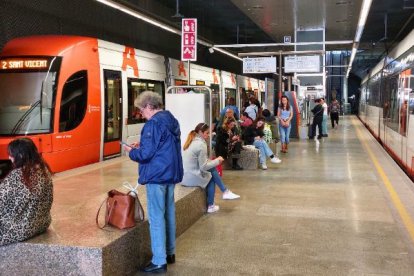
228	142
246	121
26	194
254	136
231	105
199	170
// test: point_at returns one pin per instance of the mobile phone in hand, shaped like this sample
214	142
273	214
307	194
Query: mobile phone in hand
125	144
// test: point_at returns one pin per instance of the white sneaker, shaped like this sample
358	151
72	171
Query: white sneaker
275	160
230	195
213	208
264	167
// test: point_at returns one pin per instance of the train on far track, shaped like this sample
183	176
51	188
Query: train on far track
387	103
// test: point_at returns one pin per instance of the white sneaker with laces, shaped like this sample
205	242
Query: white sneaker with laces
230	195
275	160
213	209
264	167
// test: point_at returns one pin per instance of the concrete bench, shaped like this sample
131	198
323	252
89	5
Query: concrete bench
74	245
248	160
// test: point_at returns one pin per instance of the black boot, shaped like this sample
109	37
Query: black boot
235	165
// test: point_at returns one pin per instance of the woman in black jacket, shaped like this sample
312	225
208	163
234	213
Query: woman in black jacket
317	119
228	142
254	136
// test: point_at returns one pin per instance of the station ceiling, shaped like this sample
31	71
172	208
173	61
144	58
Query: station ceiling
268	21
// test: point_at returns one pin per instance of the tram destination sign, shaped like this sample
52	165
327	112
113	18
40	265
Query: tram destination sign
302	64
259	65
189	39
23	63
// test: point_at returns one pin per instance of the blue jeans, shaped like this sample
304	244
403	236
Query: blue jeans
211	186
161	216
284	134
264	149
325	125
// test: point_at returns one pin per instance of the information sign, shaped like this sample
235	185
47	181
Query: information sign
302	64
259	65
189	39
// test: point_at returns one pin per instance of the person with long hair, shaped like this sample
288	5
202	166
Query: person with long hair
201	171
254	135
26	194
285	115
228	142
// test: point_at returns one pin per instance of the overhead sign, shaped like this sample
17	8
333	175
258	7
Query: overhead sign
302	64
259	65
287	39
189	39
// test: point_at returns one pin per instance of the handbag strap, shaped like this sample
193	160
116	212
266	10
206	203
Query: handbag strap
107	218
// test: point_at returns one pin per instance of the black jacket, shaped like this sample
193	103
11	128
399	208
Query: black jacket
250	133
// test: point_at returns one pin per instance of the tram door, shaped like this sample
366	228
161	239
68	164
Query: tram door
112	113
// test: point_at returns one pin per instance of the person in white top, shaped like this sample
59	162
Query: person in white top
252	109
325	118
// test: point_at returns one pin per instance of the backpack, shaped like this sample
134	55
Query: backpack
267	133
335	108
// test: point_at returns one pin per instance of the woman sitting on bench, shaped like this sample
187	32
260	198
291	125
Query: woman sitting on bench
199	170
26	194
254	136
228	142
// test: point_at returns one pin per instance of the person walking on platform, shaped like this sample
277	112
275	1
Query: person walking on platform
26	194
285	115
228	142
252	109
334	108
317	119
199	170
324	118
160	168
254	135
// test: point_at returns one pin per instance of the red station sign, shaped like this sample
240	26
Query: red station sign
189	39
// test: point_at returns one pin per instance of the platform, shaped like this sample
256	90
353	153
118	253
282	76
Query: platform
325	210
74	245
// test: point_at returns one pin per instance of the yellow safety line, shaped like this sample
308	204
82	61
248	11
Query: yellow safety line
402	211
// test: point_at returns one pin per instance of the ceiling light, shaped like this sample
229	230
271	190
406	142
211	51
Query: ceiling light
366	5
159	24
211	50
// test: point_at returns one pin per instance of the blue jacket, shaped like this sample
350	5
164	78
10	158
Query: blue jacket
159	152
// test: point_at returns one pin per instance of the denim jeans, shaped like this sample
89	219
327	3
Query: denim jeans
264	149
325	125
211	186
161	216
284	134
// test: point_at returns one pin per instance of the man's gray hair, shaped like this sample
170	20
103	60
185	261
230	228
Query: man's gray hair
152	99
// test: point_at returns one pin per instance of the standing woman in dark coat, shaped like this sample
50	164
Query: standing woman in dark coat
26	194
228	142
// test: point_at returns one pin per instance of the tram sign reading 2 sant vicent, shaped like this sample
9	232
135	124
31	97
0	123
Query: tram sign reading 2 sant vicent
189	39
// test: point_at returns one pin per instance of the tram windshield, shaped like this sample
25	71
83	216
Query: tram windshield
27	89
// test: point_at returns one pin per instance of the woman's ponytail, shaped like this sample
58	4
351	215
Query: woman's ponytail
190	139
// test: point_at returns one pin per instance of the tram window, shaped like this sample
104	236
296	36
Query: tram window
136	87
394	103
74	101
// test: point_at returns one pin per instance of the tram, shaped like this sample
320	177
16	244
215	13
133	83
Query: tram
74	96
387	103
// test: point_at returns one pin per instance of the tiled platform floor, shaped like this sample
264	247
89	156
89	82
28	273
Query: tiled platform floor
323	211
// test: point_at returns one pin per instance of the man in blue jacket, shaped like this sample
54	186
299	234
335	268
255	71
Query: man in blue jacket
160	168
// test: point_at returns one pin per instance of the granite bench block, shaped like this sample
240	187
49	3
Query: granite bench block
248	160
74	245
